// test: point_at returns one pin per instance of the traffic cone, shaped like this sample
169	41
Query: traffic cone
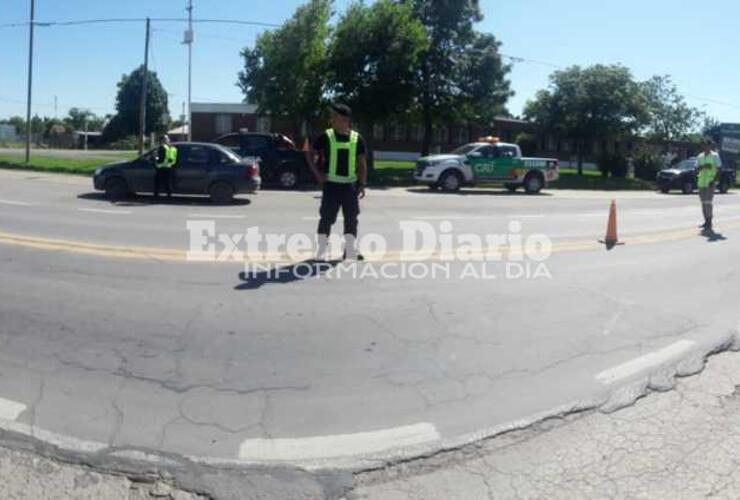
305	145
611	240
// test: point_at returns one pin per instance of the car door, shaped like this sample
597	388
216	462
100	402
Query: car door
140	173
481	161
505	160
192	169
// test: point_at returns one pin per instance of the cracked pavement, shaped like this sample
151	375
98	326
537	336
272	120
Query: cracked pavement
175	361
680	444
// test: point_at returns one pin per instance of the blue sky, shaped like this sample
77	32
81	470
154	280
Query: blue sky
81	65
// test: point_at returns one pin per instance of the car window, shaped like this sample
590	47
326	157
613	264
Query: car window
257	142
230	141
224	155
487	151
463	150
506	152
195	155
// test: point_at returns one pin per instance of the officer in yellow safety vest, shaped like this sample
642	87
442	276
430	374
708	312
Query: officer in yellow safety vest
166	159
342	174
708	165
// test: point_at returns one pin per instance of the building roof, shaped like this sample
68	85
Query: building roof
223	107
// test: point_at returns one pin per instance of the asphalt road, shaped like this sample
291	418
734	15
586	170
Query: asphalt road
146	352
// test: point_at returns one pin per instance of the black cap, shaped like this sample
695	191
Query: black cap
341	109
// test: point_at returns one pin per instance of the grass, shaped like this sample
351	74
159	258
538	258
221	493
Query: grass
398	173
72	165
387	173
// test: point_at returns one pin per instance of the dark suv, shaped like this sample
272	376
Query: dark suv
281	164
683	176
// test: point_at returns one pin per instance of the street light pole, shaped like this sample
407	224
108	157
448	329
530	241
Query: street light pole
30	81
142	102
189	41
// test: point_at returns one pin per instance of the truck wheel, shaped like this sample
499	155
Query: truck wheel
116	189
533	183
221	193
450	181
512	187
433	187
724	186
288	178
687	187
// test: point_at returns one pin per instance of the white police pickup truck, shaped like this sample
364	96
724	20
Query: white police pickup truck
486	161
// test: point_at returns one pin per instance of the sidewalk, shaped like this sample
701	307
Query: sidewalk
682	444
26	476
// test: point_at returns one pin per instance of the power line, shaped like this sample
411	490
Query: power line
81	22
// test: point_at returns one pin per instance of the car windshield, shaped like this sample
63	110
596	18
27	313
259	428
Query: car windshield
463	150
687	165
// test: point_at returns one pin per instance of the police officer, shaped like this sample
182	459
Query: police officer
341	173
708	170
166	159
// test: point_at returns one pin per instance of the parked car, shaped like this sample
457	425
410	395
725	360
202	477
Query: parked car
683	176
281	163
486	161
201	168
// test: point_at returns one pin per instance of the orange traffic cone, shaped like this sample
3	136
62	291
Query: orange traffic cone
611	240
305	145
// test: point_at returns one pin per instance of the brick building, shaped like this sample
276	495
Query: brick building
404	141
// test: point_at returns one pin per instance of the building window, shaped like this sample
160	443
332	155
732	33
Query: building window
264	124
463	135
223	124
399	133
378	132
441	135
417	133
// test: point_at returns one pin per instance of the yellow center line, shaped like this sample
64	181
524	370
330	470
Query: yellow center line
175	255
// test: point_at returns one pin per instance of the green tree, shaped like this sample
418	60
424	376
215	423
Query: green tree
446	89
712	128
126	120
670	117
590	104
77	117
373	56
285	73
485	89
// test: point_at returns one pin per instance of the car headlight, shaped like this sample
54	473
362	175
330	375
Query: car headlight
98	171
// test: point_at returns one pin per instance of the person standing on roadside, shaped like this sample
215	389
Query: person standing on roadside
166	159
342	174
708	165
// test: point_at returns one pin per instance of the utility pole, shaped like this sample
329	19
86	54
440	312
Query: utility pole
30	80
189	42
142	102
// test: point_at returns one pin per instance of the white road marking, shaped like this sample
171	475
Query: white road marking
642	363
316	217
318	447
10	410
15	203
104	211
215	216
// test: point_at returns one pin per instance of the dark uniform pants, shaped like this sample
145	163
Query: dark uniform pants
162	178
338	195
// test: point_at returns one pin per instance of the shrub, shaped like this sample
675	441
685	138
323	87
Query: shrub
614	165
647	165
